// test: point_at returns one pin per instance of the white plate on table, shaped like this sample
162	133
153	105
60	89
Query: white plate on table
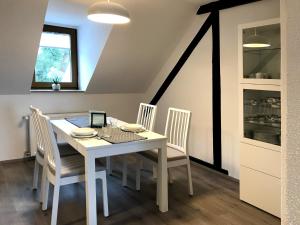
83	133
85	136
133	127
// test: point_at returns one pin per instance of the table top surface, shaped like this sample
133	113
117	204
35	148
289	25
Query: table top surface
65	128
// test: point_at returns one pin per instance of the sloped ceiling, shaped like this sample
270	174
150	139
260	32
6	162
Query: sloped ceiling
118	59
134	53
21	23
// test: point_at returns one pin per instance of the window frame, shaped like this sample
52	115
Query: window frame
74	60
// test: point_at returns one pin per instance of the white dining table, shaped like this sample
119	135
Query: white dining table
93	148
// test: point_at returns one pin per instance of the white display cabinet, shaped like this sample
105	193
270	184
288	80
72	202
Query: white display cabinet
260	114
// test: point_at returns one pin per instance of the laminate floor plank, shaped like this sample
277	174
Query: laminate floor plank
215	202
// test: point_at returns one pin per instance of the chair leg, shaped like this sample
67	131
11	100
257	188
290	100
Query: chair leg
105	198
139	166
55	204
35	174
45	195
191	192
154	170
124	172
44	174
108	165
170	175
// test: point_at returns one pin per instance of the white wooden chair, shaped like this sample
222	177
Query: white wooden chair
177	128
65	149
62	171
39	157
146	118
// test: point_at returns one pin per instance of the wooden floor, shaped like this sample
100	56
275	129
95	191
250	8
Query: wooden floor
216	201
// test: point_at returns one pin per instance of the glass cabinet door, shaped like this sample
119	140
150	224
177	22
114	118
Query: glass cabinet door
262	115
261	52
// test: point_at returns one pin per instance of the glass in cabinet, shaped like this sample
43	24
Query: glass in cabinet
262	116
261	62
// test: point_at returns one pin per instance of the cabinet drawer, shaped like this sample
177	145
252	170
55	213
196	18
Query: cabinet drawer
260	190
260	159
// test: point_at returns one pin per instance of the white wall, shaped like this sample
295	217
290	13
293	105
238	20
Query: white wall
14	107
21	24
191	89
92	38
290	213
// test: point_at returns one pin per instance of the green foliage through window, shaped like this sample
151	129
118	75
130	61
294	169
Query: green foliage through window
52	63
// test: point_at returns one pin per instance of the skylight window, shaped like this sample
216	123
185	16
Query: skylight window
57	58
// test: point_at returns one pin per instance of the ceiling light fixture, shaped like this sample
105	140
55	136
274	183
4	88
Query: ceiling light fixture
108	12
256	41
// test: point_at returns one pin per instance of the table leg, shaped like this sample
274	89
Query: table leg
162	179
108	165
90	190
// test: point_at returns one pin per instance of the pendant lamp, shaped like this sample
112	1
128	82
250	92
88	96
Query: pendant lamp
108	12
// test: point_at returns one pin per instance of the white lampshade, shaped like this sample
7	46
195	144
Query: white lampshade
108	12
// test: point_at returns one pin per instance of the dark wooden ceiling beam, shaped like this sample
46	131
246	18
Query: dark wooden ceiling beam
222	4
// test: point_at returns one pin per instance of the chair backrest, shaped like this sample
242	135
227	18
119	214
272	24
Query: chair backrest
50	145
37	127
146	116
177	128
